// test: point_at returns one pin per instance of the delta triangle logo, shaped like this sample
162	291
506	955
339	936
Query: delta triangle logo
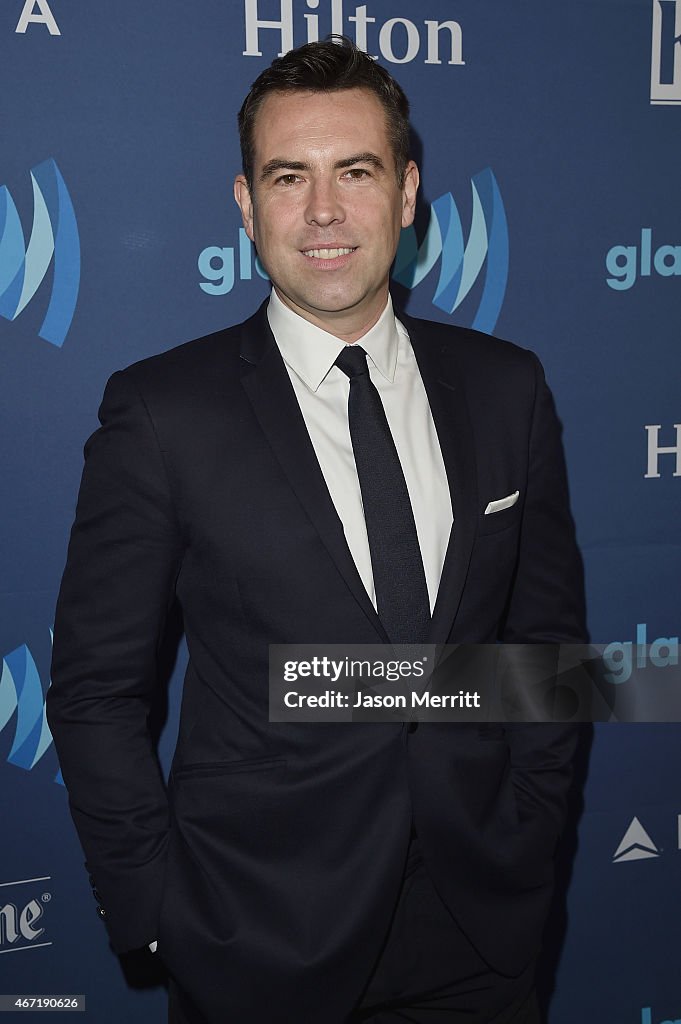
636	844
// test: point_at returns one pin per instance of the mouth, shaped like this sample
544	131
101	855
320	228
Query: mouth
328	254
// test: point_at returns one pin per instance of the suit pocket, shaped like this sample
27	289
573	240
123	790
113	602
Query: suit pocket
211	768
495	522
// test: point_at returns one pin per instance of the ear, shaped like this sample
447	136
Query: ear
410	187
242	194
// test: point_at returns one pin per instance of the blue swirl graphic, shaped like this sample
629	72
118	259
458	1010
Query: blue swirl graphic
461	265
12	255
496	276
54	234
21	693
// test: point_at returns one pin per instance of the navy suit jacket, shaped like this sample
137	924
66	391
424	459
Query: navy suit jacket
272	860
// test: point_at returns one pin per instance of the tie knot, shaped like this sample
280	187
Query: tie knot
352	360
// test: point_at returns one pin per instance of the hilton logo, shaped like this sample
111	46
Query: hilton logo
398	40
665	65
655	449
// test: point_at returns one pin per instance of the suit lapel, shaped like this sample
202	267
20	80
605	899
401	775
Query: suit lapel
268	387
447	400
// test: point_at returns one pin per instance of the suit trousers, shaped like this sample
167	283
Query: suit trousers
427	971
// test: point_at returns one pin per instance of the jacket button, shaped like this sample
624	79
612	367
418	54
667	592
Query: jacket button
101	912
413	726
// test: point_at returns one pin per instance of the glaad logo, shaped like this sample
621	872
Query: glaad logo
218	265
21	691
665	64
620	658
399	39
54	233
625	262
18	928
459	266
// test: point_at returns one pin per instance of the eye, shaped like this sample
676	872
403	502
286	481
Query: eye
357	173
287	179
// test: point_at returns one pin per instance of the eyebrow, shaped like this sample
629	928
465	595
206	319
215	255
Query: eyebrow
279	164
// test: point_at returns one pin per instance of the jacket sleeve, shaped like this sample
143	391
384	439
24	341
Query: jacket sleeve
546	607
123	559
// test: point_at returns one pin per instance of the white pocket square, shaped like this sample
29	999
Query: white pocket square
501	503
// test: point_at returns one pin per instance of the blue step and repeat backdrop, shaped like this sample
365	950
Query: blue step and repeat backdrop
549	137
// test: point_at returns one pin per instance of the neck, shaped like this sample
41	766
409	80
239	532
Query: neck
348	326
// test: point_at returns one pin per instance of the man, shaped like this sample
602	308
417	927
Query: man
319	873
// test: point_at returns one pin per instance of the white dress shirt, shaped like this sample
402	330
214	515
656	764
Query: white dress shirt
322	391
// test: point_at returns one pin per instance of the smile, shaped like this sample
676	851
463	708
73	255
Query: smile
327	254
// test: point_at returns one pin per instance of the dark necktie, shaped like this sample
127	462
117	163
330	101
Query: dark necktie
399	579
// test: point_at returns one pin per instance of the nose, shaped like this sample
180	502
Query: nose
324	204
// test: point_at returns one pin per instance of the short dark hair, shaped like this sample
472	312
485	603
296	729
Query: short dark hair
332	65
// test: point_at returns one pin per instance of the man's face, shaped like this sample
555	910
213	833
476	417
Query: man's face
325	211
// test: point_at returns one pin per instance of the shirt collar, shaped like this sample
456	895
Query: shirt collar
311	352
